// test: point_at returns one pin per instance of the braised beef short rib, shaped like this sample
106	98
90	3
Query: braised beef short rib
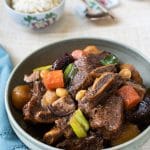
83	79
108	119
102	87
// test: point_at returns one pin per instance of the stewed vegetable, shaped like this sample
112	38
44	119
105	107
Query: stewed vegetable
54	79
129	131
69	72
141	114
135	75
21	94
92	49
79	124
129	95
43	68
61	92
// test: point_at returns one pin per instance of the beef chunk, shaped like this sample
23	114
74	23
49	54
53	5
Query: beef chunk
53	135
99	70
90	62
63	124
63	106
85	65
32	77
92	142
68	133
61	128
38	88
102	87
81	81
108	118
33	111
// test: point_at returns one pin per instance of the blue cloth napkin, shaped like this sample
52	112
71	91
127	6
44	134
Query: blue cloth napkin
8	139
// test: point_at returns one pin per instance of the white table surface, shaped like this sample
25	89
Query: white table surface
132	28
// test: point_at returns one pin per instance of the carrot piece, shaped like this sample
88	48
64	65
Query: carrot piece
129	95
76	54
43	73
53	79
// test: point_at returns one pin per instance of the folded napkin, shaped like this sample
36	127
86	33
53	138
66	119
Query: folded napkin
8	139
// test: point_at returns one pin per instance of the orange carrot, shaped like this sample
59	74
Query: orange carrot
43	73
76	54
54	79
129	95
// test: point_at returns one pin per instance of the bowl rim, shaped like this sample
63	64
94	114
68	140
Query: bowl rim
45	146
33	14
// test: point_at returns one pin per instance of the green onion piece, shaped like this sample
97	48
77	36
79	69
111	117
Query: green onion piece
73	72
110	59
67	71
81	119
79	124
77	128
42	68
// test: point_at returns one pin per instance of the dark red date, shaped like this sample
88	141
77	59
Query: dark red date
141	115
62	62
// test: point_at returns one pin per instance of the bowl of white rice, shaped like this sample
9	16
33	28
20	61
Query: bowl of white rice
35	14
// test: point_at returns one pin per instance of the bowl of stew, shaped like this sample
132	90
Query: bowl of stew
81	94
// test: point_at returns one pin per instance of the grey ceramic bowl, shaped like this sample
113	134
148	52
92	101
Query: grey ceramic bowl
46	56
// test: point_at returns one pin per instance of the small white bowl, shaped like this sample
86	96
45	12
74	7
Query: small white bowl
36	20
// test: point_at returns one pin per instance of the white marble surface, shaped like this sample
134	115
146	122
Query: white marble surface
131	28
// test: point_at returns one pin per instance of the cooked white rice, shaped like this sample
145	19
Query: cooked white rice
34	6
